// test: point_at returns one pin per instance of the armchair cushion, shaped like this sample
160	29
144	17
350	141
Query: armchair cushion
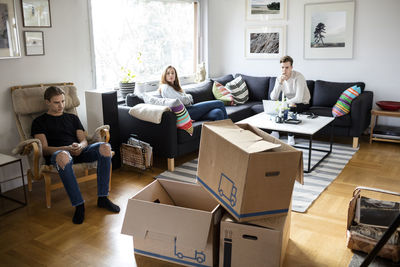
31	101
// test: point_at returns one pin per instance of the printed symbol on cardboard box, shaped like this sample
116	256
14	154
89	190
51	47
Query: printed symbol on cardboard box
198	256
227	189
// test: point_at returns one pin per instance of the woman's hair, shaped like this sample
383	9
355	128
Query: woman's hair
176	85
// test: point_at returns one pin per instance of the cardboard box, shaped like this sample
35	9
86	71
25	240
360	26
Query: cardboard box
255	243
250	173
174	221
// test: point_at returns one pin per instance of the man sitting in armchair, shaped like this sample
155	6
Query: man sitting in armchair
64	143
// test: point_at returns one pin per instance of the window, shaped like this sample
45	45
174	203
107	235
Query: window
143	36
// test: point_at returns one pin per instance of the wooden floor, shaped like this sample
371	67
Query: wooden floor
37	236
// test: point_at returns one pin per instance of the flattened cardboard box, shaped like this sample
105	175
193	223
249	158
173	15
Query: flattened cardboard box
254	243
250	173
174	221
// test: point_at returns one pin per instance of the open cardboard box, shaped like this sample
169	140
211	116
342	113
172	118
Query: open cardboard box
255	243
174	221
250	173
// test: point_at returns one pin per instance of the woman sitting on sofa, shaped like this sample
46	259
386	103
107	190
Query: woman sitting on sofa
207	110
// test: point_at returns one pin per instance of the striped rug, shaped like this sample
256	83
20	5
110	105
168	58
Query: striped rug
314	182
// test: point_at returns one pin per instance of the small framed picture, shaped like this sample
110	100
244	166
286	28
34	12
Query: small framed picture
34	44
36	13
265	9
265	42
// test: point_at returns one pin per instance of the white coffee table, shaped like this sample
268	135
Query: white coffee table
307	127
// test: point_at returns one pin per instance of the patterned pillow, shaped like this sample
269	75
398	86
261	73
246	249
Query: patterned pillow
183	120
223	94
342	106
238	89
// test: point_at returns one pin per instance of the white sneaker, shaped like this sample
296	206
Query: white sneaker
275	134
290	140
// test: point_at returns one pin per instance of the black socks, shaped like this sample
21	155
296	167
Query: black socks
102	202
79	214
105	203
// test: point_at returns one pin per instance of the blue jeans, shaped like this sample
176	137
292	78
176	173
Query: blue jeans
90	153
208	110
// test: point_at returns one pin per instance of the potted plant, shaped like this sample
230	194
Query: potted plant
127	83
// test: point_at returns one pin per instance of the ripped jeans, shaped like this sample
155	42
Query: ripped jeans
90	153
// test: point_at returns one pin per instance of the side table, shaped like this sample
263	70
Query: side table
375	113
6	160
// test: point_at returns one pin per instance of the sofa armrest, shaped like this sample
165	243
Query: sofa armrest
162	137
361	113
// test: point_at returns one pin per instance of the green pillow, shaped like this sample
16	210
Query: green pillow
223	94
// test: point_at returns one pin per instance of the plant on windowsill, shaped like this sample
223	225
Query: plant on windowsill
127	82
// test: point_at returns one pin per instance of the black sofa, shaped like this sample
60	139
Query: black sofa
170	142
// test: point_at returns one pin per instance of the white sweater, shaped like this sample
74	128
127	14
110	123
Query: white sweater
168	91
295	89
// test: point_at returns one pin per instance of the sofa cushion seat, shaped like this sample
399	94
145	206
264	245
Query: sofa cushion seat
240	112
343	121
257	108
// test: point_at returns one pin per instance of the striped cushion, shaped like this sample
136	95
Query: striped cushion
183	120
223	94
342	106
238	89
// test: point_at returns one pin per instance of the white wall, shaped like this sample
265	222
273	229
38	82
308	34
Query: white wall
376	53
67	59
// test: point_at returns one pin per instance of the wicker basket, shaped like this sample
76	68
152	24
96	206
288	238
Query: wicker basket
139	156
363	243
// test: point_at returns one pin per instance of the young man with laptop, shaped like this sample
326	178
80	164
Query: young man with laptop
293	86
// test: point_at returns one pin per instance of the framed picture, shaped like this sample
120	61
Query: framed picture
36	13
265	42
9	37
328	30
265	9
34	44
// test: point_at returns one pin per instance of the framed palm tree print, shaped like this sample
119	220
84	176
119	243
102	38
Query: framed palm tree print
328	30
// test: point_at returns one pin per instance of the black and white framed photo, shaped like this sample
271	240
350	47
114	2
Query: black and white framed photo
328	30
9	37
265	42
34	43
265	10
36	13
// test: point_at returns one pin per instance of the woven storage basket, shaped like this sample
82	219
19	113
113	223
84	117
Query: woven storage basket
366	244
137	156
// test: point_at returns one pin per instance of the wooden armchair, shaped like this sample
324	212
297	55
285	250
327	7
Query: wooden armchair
28	103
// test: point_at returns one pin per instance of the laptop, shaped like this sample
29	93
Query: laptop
271	106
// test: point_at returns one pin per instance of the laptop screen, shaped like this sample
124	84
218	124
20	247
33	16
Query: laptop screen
271	106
